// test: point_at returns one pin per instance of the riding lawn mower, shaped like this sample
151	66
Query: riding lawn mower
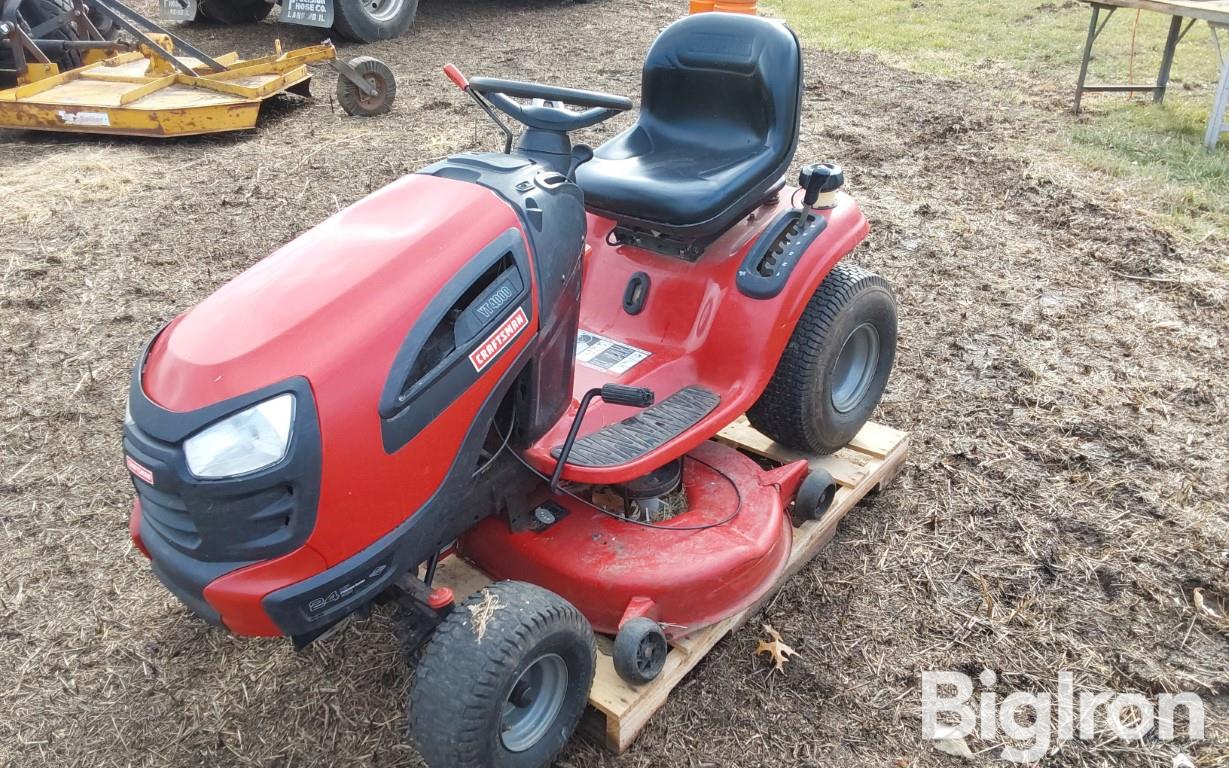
519	358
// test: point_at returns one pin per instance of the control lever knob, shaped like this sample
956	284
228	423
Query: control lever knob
820	182
621	394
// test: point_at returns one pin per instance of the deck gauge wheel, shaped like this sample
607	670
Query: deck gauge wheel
640	650
378	76
815	497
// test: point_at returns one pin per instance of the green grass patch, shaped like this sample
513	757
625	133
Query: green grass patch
1044	39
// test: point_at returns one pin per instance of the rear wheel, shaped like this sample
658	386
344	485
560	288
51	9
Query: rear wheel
233	11
503	681
835	367
365	21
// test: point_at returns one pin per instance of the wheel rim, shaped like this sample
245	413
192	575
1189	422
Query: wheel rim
855	368
649	655
534	703
382	10
376	100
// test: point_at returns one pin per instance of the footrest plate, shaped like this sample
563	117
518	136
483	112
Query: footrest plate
637	435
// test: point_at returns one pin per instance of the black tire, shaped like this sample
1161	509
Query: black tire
232	12
33	14
463	681
800	407
357	103
365	21
640	650
815	496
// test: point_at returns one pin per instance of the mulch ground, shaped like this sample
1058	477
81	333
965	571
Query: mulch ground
1062	368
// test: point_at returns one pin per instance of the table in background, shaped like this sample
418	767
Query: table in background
1185	14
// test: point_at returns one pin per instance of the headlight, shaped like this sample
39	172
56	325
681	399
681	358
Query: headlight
250	440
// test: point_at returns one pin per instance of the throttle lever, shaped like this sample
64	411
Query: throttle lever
456	77
616	394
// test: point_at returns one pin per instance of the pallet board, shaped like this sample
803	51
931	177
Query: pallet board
619	711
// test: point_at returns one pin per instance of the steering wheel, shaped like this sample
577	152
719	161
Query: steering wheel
598	106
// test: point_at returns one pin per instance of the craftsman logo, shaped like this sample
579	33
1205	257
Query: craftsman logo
487	350
141	471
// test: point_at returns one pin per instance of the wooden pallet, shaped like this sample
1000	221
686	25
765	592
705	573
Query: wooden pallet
619	711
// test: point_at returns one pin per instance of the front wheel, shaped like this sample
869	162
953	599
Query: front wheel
503	681
365	21
835	367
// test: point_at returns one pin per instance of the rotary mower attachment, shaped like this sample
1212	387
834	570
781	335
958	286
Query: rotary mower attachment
151	82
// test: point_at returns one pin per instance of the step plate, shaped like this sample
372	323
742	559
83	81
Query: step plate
650	429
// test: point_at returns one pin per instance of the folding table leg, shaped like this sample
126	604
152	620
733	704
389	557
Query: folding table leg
1092	37
1216	121
1167	59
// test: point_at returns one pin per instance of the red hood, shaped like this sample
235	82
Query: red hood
345	291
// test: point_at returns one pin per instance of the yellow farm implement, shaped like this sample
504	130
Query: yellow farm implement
147	88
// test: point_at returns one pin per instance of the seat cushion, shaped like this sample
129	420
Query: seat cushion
678	185
717	128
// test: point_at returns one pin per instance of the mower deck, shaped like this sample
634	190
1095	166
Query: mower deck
124	95
618	710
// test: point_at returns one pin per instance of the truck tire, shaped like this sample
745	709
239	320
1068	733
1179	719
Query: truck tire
835	367
34	13
365	21
503	681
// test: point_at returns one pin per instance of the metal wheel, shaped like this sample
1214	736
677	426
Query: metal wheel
365	21
382	11
855	368
375	72
534	703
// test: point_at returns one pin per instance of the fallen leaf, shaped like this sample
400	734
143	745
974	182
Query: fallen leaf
779	651
950	741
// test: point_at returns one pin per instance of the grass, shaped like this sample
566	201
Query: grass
1009	41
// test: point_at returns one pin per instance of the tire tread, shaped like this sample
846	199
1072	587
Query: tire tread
458	675
778	413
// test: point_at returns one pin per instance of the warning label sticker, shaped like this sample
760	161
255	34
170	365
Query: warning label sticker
83	118
597	351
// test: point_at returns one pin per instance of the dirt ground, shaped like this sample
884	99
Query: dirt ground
1062	369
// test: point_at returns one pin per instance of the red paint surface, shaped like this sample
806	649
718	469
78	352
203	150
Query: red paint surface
134	528
699	328
334	306
693	577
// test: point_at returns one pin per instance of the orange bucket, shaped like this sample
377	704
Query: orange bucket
702	6
735	6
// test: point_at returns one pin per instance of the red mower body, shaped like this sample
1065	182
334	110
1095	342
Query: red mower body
401	380
525	359
333	309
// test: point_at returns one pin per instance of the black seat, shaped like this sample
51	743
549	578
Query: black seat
718	126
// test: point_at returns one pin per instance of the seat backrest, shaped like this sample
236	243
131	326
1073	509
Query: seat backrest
725	81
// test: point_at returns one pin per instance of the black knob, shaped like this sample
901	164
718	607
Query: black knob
621	394
819	178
